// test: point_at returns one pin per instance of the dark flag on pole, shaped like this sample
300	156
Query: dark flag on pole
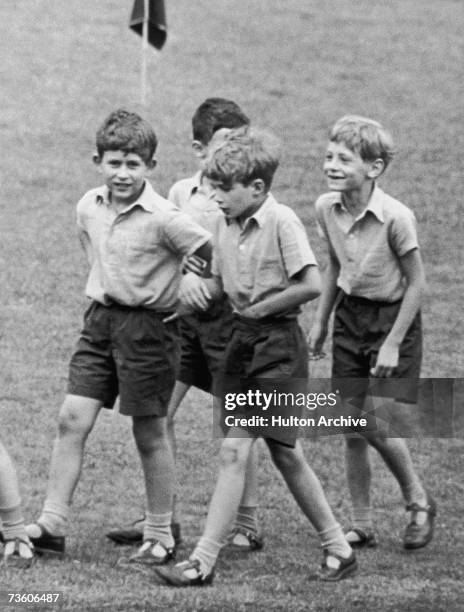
157	30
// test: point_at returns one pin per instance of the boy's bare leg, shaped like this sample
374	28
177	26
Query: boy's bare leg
179	392
224	503
245	532
75	422
358	475
395	453
309	494
150	433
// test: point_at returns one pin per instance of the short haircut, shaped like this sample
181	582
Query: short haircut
364	136
214	114
128	132
245	155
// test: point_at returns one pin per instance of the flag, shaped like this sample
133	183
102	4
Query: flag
157	30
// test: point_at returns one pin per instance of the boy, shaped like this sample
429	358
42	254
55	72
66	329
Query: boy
18	551
134	240
375	280
204	335
263	262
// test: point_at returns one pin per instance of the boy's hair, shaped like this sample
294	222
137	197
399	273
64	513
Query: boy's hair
214	114
245	155
128	132
364	136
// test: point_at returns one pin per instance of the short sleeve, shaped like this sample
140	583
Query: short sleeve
183	235
294	245
403	234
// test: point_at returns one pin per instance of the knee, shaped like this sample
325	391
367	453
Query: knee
284	457
233	456
72	422
355	442
150	434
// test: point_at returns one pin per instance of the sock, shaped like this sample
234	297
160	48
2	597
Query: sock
54	519
361	517
13	523
246	519
206	551
158	527
334	542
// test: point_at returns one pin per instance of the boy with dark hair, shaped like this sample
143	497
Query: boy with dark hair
263	262
375	280
204	334
135	241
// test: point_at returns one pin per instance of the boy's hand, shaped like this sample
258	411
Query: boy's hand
194	264
252	312
316	339
387	361
193	292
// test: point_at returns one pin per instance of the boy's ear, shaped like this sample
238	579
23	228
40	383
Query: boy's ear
199	149
376	169
151	165
259	188
96	158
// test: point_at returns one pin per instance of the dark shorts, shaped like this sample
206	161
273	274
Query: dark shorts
360	328
267	356
203	339
128	352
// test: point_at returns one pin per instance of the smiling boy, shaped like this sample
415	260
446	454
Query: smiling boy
374	280
135	241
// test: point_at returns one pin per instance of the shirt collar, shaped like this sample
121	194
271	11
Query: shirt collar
145	200
374	205
261	214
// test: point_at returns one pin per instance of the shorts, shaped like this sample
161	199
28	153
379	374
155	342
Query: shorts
360	328
128	352
203	339
267	356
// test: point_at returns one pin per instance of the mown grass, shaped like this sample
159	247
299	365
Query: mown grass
294	67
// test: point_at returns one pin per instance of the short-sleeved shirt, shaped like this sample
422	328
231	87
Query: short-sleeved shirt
368	248
136	253
257	260
195	199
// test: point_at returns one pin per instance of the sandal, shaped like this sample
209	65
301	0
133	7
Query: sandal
418	536
358	538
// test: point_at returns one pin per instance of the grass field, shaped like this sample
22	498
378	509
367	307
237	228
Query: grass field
295	67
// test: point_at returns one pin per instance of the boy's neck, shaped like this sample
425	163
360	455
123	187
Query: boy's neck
357	201
121	205
251	211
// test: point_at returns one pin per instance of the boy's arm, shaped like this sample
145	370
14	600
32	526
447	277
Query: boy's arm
387	359
319	329
85	243
305	286
193	291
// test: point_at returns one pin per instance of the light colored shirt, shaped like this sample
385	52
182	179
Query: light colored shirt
257	260
135	254
368	248
196	199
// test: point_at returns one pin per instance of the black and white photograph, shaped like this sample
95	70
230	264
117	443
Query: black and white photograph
232	269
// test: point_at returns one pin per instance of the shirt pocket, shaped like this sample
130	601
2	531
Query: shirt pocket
269	273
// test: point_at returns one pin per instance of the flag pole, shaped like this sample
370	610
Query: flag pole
143	77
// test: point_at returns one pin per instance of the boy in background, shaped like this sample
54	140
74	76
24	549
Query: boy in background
135	241
204	334
263	262
375	280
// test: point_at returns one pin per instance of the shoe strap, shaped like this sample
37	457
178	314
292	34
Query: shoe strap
415	507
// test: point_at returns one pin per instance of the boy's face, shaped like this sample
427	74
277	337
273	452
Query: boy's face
238	201
345	170
124	175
